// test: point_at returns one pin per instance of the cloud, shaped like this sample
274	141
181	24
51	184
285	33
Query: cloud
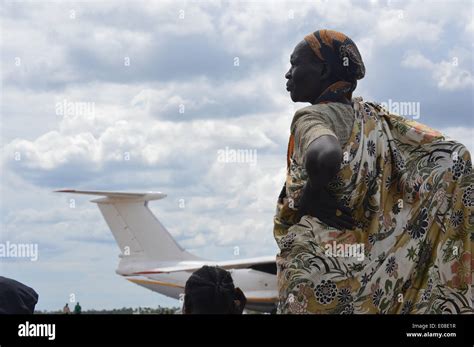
462	135
200	39
447	74
91	143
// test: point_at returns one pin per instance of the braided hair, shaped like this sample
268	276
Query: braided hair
211	290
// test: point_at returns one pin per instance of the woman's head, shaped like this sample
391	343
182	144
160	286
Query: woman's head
16	298
325	66
211	290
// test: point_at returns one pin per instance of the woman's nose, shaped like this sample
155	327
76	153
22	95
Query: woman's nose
288	74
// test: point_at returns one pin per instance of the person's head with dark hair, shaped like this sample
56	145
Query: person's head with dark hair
16	298
325	67
211	290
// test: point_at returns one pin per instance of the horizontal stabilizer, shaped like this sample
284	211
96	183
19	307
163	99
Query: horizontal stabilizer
135	228
118	195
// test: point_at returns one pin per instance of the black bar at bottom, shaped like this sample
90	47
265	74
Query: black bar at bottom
262	329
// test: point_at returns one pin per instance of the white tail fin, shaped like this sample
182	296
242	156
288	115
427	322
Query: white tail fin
135	228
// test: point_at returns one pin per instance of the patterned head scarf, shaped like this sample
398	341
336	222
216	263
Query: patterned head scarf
341	53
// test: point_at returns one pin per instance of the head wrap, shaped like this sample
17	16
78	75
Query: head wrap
344	59
16	298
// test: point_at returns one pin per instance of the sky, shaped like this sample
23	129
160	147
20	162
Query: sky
157	89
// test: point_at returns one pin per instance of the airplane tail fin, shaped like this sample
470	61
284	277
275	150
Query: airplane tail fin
135	228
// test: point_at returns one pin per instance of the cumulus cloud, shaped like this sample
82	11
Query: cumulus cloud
449	75
141	137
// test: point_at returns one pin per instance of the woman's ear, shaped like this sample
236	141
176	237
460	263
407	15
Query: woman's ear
325	72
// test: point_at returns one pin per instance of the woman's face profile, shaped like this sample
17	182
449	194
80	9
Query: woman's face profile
306	76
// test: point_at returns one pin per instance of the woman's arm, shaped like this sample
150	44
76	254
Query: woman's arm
322	162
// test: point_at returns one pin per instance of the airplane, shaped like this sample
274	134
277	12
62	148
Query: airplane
150	256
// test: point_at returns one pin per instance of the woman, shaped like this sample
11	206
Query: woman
376	212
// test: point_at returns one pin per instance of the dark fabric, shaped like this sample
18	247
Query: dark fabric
16	298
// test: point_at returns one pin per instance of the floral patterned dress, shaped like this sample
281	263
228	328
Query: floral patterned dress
411	192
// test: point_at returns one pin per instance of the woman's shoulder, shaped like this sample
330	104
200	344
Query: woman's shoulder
335	117
324	111
317	108
328	107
